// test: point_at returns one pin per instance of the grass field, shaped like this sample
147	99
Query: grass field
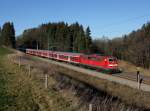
12	97
5	99
19	92
16	92
4	52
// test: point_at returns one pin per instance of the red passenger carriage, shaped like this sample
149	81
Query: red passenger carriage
94	60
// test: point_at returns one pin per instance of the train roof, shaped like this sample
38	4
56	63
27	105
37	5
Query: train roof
58	52
69	53
74	54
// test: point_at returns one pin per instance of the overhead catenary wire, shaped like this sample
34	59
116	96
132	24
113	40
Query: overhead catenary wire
108	28
124	21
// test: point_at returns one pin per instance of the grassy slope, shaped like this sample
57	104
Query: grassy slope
5	98
18	92
13	97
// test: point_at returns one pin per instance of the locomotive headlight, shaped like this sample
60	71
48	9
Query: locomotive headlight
113	65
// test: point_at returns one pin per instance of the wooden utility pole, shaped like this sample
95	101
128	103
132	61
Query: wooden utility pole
37	45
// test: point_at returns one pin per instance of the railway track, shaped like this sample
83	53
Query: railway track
133	77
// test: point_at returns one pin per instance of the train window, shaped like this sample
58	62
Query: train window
63	57
95	58
111	59
66	57
74	58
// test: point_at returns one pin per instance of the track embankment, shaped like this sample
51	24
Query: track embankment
126	93
114	78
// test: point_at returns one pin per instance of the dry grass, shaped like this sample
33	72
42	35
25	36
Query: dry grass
129	67
33	90
125	93
26	93
77	97
131	96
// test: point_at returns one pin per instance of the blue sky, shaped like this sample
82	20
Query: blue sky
111	18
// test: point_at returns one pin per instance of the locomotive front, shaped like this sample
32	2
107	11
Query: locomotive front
112	64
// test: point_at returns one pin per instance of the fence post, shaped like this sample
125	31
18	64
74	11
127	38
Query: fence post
46	81
19	61
138	77
138	72
139	81
29	70
90	107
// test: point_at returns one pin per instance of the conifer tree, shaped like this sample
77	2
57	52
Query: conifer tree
8	35
13	41
81	40
88	39
0	36
58	36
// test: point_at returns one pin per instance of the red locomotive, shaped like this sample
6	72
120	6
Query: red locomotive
94	60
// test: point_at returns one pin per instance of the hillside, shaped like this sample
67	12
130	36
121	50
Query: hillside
20	92
67	91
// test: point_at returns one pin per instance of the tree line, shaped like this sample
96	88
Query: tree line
57	36
7	35
134	47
